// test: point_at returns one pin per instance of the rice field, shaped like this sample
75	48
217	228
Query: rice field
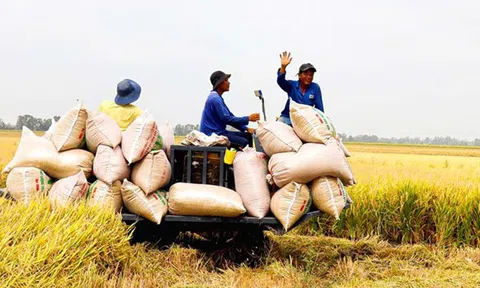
416	149
8	142
415	222
89	247
408	198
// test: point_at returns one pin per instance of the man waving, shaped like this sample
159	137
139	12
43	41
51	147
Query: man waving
303	90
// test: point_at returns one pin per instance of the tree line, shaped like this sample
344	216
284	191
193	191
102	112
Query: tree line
40	124
182	130
445	140
29	121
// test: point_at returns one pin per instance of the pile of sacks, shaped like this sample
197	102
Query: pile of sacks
251	194
85	156
306	164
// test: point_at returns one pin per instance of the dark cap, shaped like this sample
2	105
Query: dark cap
305	67
218	77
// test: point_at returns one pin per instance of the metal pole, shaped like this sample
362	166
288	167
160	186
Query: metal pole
263	110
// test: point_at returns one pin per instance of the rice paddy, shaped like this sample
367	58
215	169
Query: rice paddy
415	222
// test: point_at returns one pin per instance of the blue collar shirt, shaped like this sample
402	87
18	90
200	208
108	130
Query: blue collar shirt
311	97
216	116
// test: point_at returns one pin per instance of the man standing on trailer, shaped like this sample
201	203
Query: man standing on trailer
216	115
303	90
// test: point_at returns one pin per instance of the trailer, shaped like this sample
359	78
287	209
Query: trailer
243	234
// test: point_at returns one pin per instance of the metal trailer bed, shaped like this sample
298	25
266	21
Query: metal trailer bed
203	223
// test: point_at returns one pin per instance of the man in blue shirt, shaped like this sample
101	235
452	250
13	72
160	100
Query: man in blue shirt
303	90
216	115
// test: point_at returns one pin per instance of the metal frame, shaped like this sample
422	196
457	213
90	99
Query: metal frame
258	145
210	219
201	222
205	150
188	223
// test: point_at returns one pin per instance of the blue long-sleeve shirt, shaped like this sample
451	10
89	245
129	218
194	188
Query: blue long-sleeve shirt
216	116
312	96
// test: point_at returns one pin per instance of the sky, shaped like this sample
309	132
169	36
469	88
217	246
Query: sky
389	68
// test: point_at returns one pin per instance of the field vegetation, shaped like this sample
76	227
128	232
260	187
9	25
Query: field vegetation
415	222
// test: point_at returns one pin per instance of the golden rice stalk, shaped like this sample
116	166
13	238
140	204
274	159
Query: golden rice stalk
42	247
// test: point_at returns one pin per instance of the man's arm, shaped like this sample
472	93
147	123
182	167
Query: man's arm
282	82
285	59
228	118
319	100
241	128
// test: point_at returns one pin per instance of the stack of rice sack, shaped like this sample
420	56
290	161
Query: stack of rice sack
125	169
306	163
252	195
55	163
85	156
150	170
250	172
192	199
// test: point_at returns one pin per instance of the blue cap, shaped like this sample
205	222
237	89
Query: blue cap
128	91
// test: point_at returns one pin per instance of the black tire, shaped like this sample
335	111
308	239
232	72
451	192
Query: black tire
156	236
232	248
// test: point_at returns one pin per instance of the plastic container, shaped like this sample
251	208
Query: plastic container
229	156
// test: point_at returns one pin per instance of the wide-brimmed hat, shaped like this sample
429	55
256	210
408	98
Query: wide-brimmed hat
128	91
218	77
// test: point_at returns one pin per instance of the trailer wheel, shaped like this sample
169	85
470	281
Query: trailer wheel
232	248
160	237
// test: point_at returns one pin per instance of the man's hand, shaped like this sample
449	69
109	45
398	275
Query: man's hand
254	117
251	130
285	59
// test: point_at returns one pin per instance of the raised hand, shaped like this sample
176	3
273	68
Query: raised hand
285	59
